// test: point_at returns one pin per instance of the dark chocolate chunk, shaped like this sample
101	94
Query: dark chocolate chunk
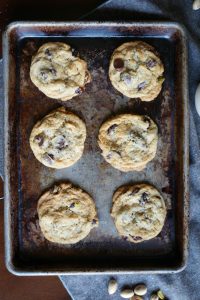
79	90
136	238
75	52
72	205
61	144
47	52
144	199
111	129
141	85
151	63
43	75
39	139
118	64
53	71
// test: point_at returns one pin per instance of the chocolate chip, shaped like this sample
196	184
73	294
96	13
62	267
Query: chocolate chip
61	144
141	85
75	52
79	90
39	139
136	238
151	63
134	191
47	52
111	129
53	71
118	64
126	77
144	199
72	205
94	221
49	157
44	75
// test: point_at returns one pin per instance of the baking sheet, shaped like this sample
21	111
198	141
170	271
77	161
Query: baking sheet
27	252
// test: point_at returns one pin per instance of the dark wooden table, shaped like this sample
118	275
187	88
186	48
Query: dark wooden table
31	288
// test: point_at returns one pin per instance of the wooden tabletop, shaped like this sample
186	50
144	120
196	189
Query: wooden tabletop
31	288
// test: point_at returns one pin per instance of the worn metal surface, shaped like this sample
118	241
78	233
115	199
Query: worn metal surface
27	252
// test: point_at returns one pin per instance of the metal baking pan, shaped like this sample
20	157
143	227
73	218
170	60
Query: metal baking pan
103	251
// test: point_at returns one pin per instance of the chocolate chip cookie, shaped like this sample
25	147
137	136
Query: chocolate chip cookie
58	72
66	214
128	142
57	140
139	212
136	71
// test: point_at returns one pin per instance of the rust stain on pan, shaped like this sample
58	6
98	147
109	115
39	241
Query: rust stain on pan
26	180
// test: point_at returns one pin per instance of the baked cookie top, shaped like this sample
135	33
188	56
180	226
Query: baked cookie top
128	142
136	71
58	72
57	140
66	214
139	212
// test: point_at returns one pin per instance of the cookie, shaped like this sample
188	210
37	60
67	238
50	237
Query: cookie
128	142
58	72
136	71
66	214
139	212
57	140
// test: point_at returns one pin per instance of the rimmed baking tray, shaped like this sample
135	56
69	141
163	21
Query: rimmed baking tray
27	252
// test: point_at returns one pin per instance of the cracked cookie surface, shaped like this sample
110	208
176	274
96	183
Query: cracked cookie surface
128	142
58	72
66	214
138	211
136	71
57	140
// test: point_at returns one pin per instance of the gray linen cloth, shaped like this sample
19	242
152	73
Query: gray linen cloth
184	285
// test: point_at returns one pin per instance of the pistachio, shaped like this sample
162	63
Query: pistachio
154	297
126	293
140	290
161	295
196	4
136	297
112	286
